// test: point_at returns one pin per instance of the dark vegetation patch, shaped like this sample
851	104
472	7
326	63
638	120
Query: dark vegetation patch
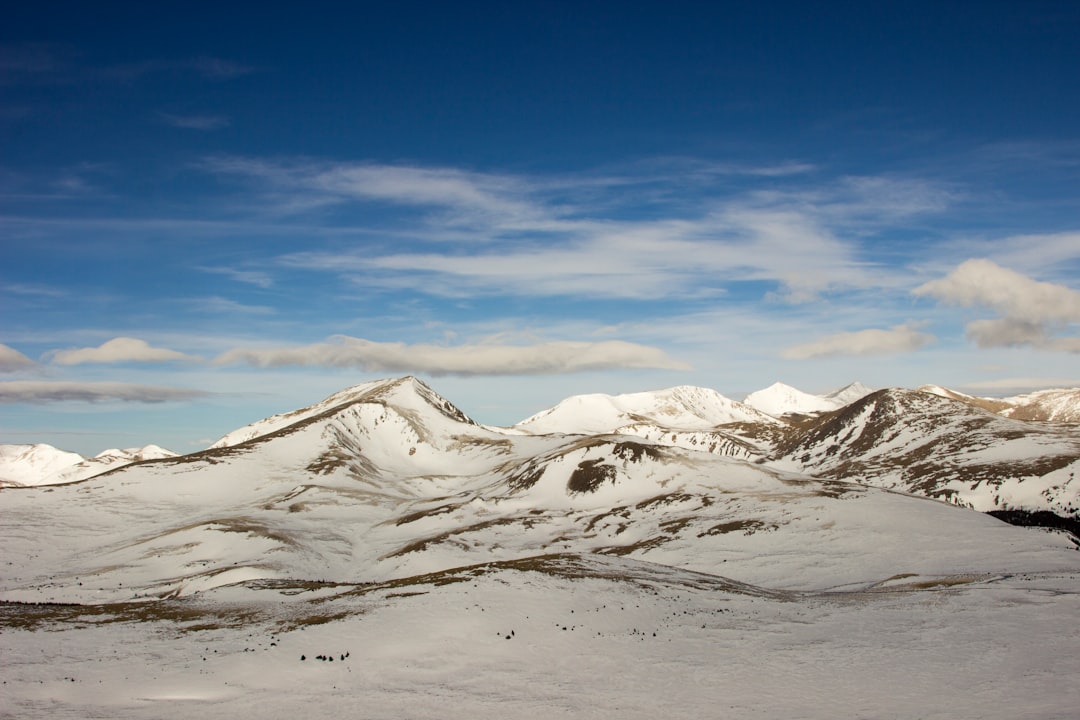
633	451
746	527
590	475
455	534
641	545
669	499
676	525
1040	518
185	614
620	511
525	477
421	514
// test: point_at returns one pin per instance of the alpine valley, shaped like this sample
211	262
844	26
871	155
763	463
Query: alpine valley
381	555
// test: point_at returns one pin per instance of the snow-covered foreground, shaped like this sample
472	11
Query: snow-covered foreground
380	555
564	636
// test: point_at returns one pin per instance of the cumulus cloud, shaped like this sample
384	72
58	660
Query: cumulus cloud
1030	312
873	341
539	359
11	360
34	391
121	349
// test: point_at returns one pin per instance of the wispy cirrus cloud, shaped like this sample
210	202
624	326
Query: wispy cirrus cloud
872	341
534	236
45	391
467	196
117	350
258	278
537	359
209	67
224	306
195	122
1030	312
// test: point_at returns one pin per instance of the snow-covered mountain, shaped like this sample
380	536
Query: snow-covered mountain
1058	405
26	465
932	444
428	555
694	418
389	479
679	408
33	464
1061	405
779	399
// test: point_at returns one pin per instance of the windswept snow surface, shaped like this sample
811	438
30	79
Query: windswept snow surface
562	637
453	570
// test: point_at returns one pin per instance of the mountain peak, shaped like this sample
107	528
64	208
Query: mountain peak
683	407
408	393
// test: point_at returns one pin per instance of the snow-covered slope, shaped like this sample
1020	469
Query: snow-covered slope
679	408
357	393
1061	405
380	550
779	399
925	443
31	465
391	480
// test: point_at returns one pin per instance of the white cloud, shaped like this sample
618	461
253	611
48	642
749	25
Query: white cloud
538	359
117	350
34	391
1030	311
873	341
470	198
11	360
981	282
567	235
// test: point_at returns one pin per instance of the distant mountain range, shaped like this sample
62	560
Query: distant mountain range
1018	453
615	552
41	464
389	479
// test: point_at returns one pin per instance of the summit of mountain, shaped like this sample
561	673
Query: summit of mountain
686	408
42	464
780	400
407	394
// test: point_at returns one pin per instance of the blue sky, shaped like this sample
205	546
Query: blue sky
214	212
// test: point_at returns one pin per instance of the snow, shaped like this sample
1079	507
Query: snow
694	576
779	399
681	408
33	465
637	644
